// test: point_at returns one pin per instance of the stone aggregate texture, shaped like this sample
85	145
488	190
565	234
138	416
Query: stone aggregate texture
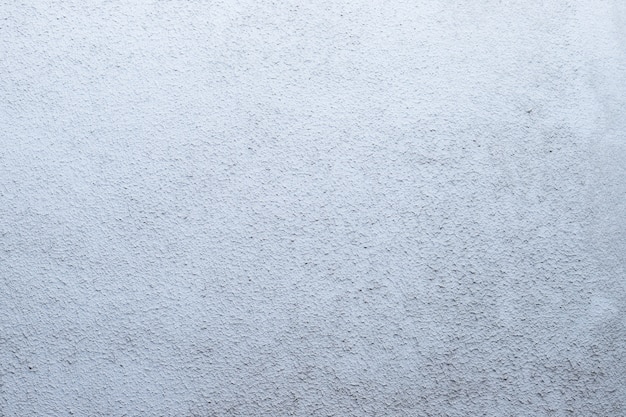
326	208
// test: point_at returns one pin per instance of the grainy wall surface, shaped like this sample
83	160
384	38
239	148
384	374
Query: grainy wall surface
328	208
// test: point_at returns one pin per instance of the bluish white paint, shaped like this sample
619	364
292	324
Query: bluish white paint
351	208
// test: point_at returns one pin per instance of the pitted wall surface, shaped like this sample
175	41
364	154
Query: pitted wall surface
330	208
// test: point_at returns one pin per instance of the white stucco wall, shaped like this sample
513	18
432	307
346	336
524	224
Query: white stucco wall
329	208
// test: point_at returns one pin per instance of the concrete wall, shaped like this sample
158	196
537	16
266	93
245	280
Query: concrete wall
329	208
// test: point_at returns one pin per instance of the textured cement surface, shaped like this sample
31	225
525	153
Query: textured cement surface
329	208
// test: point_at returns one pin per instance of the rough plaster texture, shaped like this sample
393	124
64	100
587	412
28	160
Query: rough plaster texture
329	208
